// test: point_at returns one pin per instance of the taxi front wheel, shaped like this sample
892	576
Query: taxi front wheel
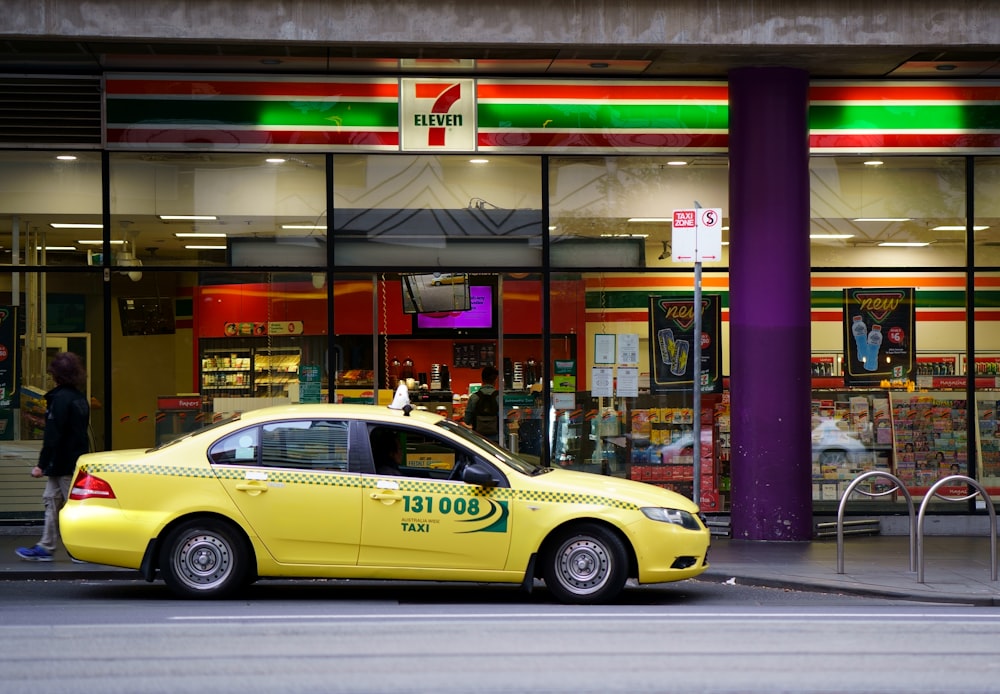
204	559
587	564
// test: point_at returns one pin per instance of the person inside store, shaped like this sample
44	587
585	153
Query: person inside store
386	451
66	438
482	412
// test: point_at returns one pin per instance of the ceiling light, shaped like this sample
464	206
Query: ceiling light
874	162
66	157
55	248
188	217
957	227
206	248
275	160
199	235
882	219
668	220
303	226
98	242
677	163
831	236
75	225
905	244
479	161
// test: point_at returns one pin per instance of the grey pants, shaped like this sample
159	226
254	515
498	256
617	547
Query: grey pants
55	495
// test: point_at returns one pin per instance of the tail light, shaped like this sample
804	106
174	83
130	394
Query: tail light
87	486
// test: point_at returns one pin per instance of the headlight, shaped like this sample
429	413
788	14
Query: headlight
672	515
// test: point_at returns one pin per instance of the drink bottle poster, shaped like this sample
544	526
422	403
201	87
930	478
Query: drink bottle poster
671	340
879	336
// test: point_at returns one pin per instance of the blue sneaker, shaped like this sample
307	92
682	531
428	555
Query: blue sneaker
36	553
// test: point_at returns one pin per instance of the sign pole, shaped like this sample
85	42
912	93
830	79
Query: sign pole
697	234
696	383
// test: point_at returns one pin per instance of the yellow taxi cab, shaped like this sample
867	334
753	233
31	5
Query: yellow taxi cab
293	492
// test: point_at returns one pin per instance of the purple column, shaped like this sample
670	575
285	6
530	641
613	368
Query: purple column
769	316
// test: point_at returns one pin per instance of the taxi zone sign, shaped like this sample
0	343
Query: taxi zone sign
697	235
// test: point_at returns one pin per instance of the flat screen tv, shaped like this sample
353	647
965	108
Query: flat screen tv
479	316
435	292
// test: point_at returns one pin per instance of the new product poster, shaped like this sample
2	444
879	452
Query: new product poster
879	338
671	337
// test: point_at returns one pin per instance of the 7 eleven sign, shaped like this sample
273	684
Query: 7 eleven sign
437	115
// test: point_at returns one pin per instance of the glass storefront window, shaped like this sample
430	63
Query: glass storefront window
887	212
214	208
42	314
986	230
985	368
616	212
50	208
433	211
212	344
888	252
623	381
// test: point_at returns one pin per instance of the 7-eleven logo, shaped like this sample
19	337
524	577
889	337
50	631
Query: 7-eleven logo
437	115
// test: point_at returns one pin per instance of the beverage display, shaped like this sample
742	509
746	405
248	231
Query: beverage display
679	366
873	346
860	332
668	346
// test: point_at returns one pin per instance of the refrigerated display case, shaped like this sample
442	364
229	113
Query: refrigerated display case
226	372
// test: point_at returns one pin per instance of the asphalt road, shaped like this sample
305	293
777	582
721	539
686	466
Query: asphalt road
696	636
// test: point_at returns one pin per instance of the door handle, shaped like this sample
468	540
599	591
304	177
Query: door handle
251	488
386	497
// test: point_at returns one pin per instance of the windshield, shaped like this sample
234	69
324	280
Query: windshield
199	432
502	454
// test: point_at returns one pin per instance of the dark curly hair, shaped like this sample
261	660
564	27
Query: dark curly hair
67	370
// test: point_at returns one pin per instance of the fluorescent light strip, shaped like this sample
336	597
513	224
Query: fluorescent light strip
956	227
882	219
303	226
206	248
905	244
75	225
831	236
188	217
199	235
668	220
98	242
55	248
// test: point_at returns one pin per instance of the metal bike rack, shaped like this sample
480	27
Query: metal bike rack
843	503
931	493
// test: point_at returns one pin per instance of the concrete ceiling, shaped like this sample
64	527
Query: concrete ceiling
70	56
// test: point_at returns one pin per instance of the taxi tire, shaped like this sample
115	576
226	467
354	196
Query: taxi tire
205	559
586	564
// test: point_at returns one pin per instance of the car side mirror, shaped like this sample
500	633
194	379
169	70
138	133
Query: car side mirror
479	474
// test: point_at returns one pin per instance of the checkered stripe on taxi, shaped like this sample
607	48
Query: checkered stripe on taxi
354	480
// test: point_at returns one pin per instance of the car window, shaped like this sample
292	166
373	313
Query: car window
420	453
236	449
316	444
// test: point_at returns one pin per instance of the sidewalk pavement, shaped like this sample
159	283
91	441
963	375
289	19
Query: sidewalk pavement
956	569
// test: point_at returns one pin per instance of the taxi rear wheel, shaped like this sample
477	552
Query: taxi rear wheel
205	559
586	564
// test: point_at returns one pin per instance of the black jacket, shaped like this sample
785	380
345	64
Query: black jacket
67	419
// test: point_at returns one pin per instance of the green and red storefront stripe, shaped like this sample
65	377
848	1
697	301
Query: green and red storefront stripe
233	112
602	117
245	112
